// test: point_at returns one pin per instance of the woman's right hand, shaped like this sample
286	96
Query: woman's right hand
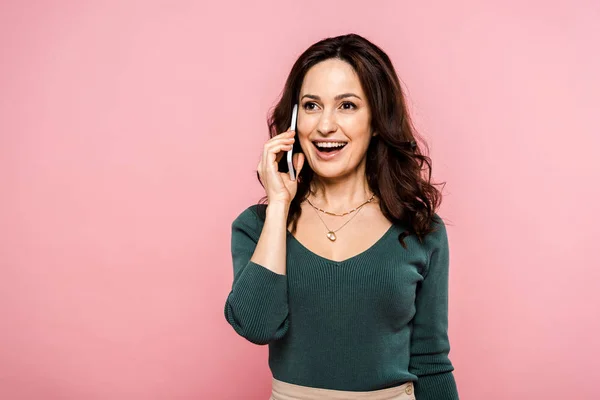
278	185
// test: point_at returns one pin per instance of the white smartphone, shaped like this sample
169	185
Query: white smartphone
290	152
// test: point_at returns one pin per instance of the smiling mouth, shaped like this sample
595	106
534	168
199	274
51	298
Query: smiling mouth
330	149
328	153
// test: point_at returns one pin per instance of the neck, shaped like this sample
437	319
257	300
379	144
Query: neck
339	196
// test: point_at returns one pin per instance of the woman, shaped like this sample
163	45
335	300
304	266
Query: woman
344	271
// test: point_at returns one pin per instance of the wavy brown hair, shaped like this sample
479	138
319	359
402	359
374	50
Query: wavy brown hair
397	171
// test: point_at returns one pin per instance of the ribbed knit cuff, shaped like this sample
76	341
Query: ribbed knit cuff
436	387
257	306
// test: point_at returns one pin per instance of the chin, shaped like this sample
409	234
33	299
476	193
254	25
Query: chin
330	171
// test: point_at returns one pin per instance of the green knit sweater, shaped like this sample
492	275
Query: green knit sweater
373	321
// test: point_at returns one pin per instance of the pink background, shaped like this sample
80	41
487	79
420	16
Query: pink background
129	134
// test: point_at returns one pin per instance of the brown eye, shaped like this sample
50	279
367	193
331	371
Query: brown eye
307	104
348	103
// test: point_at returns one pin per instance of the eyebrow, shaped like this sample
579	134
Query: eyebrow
338	97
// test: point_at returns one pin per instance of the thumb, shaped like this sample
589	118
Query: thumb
298	162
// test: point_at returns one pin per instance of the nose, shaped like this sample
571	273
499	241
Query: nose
326	124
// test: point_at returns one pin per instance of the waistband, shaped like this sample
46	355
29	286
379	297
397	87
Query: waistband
289	391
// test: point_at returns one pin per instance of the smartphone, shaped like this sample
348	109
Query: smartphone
290	153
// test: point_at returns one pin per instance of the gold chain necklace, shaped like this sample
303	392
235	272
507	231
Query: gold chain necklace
331	234
341	215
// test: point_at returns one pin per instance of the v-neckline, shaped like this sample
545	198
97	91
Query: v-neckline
351	258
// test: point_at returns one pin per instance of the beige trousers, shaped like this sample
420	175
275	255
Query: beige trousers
288	391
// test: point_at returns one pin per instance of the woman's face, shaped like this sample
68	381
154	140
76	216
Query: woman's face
333	108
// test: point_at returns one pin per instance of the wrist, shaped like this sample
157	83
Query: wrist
278	207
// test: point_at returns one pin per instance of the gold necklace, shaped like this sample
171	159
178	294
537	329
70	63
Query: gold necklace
331	234
341	215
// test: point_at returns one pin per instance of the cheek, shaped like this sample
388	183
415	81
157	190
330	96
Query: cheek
355	125
302	137
358	135
305	124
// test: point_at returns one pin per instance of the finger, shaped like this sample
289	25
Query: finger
261	175
288	133
274	156
284	150
270	154
279	140
276	146
298	159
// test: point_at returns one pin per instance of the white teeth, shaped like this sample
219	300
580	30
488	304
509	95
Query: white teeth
330	144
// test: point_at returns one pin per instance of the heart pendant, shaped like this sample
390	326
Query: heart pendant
331	236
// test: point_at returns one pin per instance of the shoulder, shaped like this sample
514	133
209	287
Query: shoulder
250	220
438	237
439	226
252	212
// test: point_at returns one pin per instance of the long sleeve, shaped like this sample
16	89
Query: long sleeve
257	305
429	342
